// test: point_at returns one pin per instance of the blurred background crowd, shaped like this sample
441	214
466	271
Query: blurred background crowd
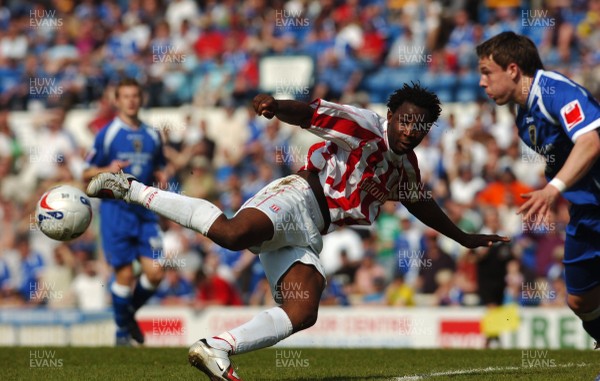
60	56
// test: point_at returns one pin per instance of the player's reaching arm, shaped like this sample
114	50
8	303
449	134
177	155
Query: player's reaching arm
429	212
288	111
114	167
581	159
98	161
345	125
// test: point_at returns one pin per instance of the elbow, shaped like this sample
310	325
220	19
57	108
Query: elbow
304	124
596	146
591	142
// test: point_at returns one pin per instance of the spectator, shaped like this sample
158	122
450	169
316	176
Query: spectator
368	276
377	296
59	275
436	260
213	290
496	193
89	288
465	187
180	11
341	248
334	293
30	271
346	273
5	287
399	293
388	229
14	44
174	290
337	76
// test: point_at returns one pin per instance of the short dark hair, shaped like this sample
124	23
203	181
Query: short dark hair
508	47
417	95
127	82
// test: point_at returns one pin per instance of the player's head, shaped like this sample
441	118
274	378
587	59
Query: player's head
128	97
503	62
412	111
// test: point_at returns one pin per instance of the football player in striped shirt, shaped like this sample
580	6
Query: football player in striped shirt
364	160
558	119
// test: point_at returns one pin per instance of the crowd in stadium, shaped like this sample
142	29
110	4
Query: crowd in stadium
207	54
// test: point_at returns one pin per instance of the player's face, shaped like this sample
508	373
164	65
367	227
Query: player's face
407	127
498	83
129	100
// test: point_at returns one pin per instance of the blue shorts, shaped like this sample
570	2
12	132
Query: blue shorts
126	236
582	249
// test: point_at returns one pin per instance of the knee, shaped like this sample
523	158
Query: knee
574	303
124	275
582	306
310	318
155	276
302	317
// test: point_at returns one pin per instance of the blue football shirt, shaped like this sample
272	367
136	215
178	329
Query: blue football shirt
141	147
558	111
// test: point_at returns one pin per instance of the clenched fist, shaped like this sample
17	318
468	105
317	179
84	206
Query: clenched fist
265	105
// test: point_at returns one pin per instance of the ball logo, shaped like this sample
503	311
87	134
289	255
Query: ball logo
43	202
52	215
57	215
84	201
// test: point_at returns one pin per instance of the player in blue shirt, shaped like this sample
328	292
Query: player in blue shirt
129	232
559	119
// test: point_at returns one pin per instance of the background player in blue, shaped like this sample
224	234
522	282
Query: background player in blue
558	119
129	231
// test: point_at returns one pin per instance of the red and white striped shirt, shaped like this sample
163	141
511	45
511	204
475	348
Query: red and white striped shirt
356	167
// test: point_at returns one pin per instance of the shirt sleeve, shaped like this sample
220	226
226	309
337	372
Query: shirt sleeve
345	125
574	107
97	157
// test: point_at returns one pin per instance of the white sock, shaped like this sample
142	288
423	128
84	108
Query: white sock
120	290
265	329
145	283
193	213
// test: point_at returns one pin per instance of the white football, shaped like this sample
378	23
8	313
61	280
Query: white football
63	213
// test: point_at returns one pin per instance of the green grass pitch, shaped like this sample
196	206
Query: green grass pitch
70	363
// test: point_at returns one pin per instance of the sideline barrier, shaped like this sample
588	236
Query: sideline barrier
376	327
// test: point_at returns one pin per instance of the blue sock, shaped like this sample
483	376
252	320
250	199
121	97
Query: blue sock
593	328
142	292
121	298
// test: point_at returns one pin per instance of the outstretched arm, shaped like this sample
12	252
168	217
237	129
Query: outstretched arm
288	111
114	167
582	158
429	212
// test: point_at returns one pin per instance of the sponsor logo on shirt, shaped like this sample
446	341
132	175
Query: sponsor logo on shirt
572	114
379	192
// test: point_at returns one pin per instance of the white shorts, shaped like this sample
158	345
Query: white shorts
291	205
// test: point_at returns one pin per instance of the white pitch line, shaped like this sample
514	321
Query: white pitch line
490	369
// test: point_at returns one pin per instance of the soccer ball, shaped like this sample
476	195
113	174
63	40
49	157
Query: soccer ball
63	213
